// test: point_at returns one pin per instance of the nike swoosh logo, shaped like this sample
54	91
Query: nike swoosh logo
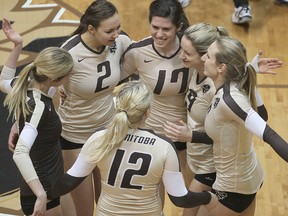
208	178
146	61
80	60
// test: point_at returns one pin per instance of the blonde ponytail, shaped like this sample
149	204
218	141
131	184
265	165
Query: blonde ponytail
51	63
16	100
132	102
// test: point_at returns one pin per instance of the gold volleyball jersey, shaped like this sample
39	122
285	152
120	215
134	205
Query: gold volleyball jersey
198	98
89	103
131	173
166	77
236	163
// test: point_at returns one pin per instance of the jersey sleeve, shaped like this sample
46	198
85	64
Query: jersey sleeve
128	63
21	153
170	179
84	165
238	106
126	41
172	163
260	106
175	186
255	124
70	180
239	109
201	137
81	168
6	76
172	174
179	195
254	62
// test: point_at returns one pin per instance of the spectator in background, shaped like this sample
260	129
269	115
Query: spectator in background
242	12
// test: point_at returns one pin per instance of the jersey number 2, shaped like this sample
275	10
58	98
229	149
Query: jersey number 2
103	67
129	173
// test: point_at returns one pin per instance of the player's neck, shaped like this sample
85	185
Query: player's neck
43	86
201	74
170	49
91	42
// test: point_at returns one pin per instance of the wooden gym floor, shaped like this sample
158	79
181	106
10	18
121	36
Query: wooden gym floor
39	21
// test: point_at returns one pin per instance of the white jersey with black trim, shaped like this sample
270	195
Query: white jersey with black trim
131	173
166	77
89	103
198	99
236	163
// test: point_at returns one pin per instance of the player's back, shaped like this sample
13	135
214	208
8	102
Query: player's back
131	174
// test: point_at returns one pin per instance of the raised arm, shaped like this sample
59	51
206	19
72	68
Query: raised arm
266	65
16	39
9	69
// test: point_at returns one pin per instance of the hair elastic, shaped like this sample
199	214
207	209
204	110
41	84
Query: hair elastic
123	110
246	65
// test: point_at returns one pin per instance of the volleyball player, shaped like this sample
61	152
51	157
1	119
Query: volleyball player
132	161
195	42
9	69
96	47
231	121
38	152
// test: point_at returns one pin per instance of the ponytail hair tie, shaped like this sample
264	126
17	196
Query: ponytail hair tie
123	110
246	65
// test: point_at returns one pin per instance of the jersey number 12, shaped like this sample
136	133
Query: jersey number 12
129	173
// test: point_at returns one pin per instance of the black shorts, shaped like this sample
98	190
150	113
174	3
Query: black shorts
67	145
28	202
206	179
180	145
235	201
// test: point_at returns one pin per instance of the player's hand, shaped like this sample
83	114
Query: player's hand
178	132
13	137
62	94
40	206
267	65
10	33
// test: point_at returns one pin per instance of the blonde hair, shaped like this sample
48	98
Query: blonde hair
132	103
52	63
233	54
202	35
